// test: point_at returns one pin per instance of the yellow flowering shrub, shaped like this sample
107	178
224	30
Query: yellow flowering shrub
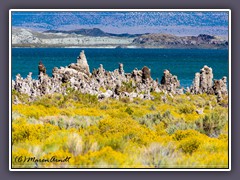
57	159
118	134
31	132
202	159
104	158
19	158
189	145
181	134
36	111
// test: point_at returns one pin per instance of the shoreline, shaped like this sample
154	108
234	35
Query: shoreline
115	47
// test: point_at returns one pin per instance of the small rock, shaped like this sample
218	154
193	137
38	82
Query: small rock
199	111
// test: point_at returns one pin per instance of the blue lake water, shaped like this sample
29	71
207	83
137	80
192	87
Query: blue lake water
181	62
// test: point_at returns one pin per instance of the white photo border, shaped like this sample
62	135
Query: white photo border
122	10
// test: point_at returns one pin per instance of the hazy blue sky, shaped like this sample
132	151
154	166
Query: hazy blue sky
179	23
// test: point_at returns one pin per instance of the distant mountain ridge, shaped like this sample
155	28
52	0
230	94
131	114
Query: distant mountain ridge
95	32
170	41
96	38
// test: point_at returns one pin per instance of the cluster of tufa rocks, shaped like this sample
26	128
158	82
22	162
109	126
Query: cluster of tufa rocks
116	84
203	83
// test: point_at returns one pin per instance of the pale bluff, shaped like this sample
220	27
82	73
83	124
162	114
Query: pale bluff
96	38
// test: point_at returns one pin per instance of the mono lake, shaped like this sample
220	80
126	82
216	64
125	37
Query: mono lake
183	63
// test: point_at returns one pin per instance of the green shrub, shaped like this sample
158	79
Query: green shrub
212	124
117	144
104	107
23	98
16	115
77	122
188	93
189	145
150	120
159	156
129	110
124	99
86	99
182	134
167	115
224	101
186	109
55	100
179	124
127	87
152	108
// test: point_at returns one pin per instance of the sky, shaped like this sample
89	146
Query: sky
178	23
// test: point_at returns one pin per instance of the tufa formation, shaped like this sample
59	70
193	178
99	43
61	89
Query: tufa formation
116	84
